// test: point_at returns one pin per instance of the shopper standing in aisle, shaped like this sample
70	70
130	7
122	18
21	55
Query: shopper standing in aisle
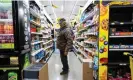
64	43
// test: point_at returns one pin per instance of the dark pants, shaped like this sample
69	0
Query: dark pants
64	61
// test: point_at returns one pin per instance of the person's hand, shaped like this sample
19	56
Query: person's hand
65	53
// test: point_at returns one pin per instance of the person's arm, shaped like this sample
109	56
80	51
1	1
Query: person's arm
69	39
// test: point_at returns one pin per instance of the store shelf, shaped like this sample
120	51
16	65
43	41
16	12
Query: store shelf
76	45
33	22
6	34
120	49
46	32
81	30
118	63
90	42
82	52
10	68
82	59
6	20
47	42
34	13
49	56
36	52
79	43
36	33
81	38
37	42
122	6
75	49
89	50
92	33
46	37
120	36
39	59
47	53
47	47
120	23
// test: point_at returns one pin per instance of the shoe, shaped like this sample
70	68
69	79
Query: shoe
64	72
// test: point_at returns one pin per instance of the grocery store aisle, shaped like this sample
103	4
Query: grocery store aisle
55	68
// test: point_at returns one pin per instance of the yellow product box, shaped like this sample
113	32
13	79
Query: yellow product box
12	44
6	45
13	60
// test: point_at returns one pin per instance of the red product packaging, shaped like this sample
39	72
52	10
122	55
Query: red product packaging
124	33
10	28
33	29
5	29
1	28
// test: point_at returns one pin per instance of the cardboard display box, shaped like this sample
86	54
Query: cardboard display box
37	71
87	71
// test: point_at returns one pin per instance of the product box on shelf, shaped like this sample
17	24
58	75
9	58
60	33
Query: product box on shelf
124	46
9	75
6	41
33	29
40	55
36	47
14	60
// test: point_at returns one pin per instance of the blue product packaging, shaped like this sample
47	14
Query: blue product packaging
95	63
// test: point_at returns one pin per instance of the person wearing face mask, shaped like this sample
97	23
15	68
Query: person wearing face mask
64	43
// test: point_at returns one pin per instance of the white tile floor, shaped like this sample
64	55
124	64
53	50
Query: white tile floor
55	67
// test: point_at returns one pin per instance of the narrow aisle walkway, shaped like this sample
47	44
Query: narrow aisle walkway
55	67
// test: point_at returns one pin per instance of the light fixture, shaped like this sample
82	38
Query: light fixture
53	10
62	8
73	9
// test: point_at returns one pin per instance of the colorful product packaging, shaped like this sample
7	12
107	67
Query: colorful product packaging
12	76
13	60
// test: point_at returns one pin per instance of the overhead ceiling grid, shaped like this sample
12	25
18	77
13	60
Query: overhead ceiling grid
67	9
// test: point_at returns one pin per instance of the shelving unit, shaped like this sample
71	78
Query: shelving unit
120	40
41	34
36	52
120	36
115	38
5	20
37	33
14	39
86	41
120	49
35	23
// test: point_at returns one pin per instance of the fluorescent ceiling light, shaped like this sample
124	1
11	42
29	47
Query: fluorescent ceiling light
62	8
73	9
53	9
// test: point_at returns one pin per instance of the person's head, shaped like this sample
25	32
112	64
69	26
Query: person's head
62	22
